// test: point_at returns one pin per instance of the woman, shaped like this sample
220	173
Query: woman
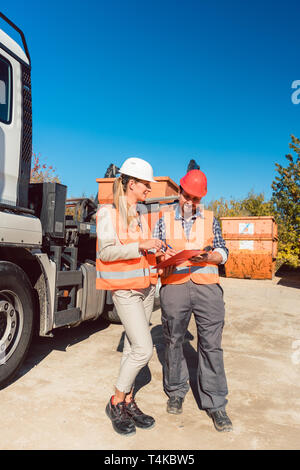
124	267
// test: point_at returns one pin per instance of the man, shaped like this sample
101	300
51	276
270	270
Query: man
194	287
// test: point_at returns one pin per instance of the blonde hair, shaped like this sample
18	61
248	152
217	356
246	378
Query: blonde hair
128	214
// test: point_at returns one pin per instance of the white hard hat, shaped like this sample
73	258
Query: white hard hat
138	168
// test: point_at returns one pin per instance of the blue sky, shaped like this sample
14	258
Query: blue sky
166	81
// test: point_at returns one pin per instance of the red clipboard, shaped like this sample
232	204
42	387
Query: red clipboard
180	257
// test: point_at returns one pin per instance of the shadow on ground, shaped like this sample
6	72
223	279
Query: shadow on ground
289	277
62	338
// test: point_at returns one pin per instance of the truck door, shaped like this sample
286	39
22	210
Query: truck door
10	127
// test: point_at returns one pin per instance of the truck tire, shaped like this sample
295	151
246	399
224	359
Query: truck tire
16	319
112	316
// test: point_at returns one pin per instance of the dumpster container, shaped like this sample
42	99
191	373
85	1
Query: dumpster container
163	188
252	244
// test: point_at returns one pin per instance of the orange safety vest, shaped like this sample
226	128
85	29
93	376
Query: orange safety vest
152	267
135	273
201	235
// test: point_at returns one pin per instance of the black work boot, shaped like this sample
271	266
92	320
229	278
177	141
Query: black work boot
121	421
221	420
140	419
174	405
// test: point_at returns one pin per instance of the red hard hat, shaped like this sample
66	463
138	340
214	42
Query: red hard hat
194	183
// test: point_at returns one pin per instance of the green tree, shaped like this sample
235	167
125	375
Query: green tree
286	202
252	205
256	205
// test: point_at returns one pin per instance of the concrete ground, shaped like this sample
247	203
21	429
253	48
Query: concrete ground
59	397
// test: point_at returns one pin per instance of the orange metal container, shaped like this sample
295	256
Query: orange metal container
164	187
252	244
105	190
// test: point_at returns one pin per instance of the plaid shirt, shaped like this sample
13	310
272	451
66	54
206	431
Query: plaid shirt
218	242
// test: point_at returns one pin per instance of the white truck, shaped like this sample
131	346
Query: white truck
47	259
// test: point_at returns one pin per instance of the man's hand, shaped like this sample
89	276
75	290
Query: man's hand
170	252
168	271
213	257
166	255
199	258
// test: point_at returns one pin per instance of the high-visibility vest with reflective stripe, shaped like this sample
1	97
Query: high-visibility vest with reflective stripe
123	274
152	267
147	223
201	235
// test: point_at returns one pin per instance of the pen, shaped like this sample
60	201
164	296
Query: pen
164	249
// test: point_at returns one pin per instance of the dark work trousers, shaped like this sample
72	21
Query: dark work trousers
206	302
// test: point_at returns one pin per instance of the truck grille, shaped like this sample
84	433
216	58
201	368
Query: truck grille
27	116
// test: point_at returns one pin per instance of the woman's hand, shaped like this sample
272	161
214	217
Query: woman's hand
151	243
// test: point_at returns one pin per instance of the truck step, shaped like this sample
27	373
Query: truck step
66	317
68	278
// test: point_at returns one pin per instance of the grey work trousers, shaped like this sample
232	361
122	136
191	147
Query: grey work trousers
134	308
206	302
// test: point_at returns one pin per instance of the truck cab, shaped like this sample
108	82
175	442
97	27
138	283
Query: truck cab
16	123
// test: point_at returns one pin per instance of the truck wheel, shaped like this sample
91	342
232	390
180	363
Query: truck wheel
16	319
112	316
